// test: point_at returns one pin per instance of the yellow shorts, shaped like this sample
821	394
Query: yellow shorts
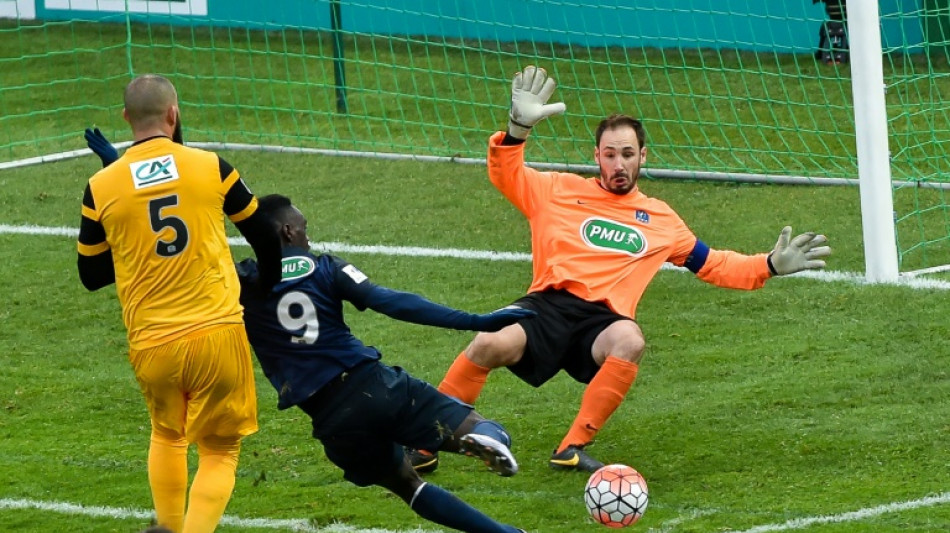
200	386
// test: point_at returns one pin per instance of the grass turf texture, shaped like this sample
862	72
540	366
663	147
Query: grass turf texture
802	399
708	110
704	110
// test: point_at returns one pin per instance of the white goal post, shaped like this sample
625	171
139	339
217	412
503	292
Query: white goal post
870	122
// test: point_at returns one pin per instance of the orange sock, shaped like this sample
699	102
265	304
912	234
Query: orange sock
212	487
464	380
603	395
168	479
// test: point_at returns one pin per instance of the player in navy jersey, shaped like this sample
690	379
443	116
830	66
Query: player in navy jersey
365	412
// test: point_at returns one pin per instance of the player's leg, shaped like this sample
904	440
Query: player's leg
168	477
386	408
469	372
487	351
436	421
213	484
486	440
617	349
222	409
156	370
438	505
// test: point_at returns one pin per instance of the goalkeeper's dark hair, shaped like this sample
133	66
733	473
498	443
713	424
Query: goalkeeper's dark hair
619	120
275	208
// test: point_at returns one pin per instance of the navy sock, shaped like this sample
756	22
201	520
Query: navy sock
492	429
444	508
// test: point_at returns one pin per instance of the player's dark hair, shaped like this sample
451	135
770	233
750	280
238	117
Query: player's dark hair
275	208
619	120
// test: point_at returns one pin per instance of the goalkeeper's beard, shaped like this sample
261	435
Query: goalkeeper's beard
176	136
612	182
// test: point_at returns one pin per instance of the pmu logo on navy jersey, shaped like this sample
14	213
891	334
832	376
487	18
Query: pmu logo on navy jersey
296	267
153	171
610	235
642	216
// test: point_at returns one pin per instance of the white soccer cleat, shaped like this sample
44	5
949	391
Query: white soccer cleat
494	454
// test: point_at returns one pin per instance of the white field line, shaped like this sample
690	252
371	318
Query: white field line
323	247
912	282
301	525
670	525
853	516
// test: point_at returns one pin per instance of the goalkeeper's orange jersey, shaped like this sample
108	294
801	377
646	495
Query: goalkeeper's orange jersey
161	206
601	246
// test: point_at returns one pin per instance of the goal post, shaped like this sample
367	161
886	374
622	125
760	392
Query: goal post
871	137
729	90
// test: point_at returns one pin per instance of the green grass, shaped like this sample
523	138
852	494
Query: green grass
803	399
706	110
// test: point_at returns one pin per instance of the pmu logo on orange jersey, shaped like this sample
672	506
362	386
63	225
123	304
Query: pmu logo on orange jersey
609	235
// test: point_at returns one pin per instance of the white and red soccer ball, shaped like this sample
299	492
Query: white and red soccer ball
616	496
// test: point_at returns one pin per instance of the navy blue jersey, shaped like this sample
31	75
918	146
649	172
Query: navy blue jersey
297	329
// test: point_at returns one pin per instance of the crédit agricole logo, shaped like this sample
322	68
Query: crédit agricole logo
153	171
609	235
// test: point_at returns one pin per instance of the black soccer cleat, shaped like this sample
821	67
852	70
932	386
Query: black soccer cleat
422	461
574	458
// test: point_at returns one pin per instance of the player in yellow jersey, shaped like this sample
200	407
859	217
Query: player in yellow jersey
153	224
596	245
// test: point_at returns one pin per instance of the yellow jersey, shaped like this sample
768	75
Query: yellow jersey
161	207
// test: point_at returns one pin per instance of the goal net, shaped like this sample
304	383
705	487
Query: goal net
728	89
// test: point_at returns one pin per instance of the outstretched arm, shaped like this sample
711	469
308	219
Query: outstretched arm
726	268
355	286
804	252
410	307
530	91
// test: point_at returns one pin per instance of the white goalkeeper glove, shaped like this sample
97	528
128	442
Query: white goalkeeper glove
804	252
530	90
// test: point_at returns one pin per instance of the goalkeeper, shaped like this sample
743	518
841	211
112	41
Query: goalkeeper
596	245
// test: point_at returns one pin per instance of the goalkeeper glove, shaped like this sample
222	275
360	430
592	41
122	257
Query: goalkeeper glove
530	90
101	146
497	320
804	252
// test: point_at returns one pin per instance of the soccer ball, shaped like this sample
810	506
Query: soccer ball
616	496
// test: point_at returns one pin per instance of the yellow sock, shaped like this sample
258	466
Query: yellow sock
168	479
212	487
603	395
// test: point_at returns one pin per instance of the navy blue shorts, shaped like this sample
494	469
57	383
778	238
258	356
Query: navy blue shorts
366	416
561	337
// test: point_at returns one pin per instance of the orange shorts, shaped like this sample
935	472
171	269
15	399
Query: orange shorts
201	385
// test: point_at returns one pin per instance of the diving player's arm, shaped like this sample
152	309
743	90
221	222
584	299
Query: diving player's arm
94	263
355	287
241	207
